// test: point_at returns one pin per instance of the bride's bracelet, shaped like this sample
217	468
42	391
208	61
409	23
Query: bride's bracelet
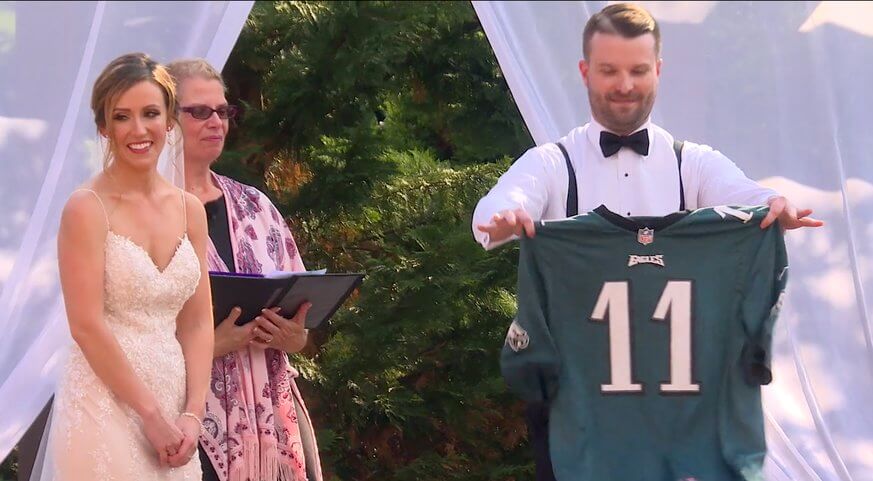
194	416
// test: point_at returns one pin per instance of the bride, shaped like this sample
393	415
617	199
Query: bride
131	251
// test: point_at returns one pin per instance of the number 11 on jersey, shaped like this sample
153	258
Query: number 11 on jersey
613	306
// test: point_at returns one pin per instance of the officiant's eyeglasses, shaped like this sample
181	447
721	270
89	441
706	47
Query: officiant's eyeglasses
202	112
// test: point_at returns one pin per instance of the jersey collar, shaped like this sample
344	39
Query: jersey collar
634	224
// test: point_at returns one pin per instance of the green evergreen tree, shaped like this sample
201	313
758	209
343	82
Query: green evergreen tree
377	126
406	383
329	86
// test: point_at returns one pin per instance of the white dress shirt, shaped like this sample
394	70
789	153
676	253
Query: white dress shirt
627	183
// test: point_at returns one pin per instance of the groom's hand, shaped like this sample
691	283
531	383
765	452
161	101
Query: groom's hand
507	223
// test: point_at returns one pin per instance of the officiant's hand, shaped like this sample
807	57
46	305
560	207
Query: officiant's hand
277	332
229	337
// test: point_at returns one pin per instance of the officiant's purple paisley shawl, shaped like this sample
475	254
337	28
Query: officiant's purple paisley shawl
251	429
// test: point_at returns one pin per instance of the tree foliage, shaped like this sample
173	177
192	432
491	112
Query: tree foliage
407	382
317	78
377	126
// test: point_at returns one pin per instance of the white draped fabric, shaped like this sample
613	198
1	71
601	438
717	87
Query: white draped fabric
783	89
50	55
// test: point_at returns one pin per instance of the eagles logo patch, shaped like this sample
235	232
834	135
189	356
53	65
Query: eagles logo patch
517	338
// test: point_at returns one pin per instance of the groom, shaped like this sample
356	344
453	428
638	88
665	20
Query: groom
619	159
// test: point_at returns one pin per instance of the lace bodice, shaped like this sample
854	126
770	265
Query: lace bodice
139	295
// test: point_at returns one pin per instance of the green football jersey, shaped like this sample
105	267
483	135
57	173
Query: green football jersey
649	337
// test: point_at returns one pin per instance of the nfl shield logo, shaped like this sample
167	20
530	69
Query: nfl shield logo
646	236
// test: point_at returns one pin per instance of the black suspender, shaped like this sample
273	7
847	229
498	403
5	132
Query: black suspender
677	149
572	191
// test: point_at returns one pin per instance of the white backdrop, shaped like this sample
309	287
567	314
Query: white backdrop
784	90
50	55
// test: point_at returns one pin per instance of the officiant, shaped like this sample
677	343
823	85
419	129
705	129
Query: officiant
256	424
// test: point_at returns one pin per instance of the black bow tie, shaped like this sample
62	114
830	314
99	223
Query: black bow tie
611	143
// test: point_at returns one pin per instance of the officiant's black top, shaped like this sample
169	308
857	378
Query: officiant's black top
219	230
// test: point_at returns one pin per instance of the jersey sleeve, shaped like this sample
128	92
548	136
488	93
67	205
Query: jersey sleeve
762	301
741	417
529	360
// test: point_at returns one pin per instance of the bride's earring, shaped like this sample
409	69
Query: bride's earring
171	137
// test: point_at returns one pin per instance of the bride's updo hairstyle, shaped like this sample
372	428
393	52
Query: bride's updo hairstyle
121	74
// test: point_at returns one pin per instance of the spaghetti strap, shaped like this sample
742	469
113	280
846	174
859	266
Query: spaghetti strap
184	213
102	205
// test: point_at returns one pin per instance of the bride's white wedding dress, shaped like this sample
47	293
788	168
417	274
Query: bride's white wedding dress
94	436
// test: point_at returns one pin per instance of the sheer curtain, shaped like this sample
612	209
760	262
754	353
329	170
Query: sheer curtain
50	55
783	89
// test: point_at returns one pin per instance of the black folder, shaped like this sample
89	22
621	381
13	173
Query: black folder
251	293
